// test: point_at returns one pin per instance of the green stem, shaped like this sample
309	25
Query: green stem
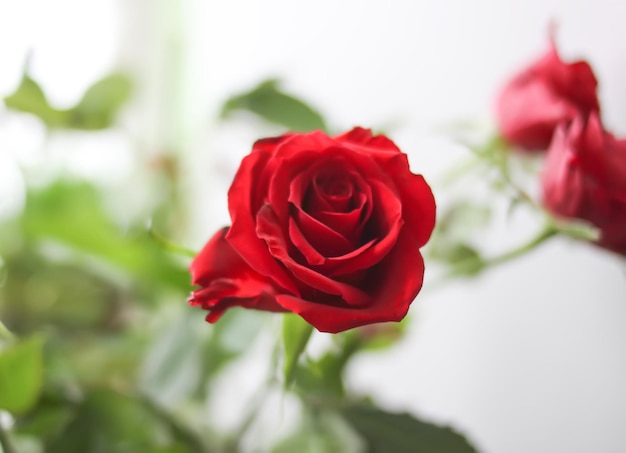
547	233
463	268
169	245
5	442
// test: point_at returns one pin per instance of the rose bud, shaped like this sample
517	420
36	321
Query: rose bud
545	94
327	228
585	178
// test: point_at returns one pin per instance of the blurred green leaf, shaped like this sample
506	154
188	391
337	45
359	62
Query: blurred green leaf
321	380
40	292
461	258
96	110
107	421
172	367
21	375
387	432
46	421
273	105
72	214
296	334
495	152
171	246
187	353
376	337
100	103
30	98
451	242
5	334
462	218
321	433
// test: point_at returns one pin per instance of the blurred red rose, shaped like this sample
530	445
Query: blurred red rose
544	95
585	178
328	228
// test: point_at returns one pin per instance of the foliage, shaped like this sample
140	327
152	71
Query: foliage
100	353
271	104
96	110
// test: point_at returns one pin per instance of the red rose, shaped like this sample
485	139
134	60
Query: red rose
328	228
541	97
585	178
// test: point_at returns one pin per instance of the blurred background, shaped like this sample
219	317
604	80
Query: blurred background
527	357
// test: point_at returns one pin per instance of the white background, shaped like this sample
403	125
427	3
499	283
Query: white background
529	358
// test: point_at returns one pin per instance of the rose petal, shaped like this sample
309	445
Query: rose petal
243	212
325	240
332	188
364	137
417	199
269	229
583	179
342	257
383	227
226	280
321	263
399	280
542	96
348	224
529	111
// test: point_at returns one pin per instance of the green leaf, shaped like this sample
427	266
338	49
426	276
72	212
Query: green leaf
46	420
29	98
320	433
377	337
21	375
463	217
172	367
296	334
463	259
107	421
96	110
72	214
275	106
5	334
387	432
322	378
68	295
100	103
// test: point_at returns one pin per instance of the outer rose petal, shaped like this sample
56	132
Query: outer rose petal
226	280
242	209
418	201
528	114
400	279
584	178
364	137
542	96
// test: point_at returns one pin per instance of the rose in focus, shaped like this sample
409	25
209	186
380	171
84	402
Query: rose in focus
327	228
585	178
547	93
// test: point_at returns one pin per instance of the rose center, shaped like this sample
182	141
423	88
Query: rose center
335	189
